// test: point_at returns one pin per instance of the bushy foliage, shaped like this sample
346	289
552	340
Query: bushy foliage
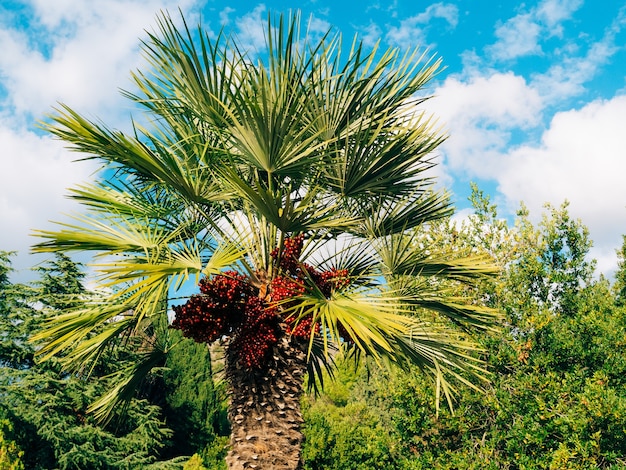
10	453
345	431
194	463
557	397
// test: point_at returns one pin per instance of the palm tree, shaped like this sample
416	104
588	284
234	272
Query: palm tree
288	185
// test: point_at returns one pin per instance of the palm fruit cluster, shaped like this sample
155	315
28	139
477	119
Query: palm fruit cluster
257	335
290	255
282	288
333	279
215	312
229	306
292	284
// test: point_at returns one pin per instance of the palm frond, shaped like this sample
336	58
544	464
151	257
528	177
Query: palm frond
192	76
445	356
404	254
460	312
113	235
366	319
310	211
63	332
126	383
383	216
375	159
124	199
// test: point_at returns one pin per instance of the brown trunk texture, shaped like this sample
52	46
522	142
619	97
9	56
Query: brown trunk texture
264	411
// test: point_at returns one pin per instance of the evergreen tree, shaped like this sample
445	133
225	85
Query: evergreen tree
193	404
17	319
44	408
60	283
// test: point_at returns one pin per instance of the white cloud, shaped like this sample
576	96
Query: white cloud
447	11
567	78
553	12
225	15
370	34
518	37
389	7
522	34
90	49
568	75
36	171
412	31
582	158
317	27
251	29
480	114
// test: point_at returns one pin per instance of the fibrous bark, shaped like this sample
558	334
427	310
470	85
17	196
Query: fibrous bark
264	410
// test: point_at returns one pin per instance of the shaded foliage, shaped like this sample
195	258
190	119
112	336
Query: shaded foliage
344	430
193	403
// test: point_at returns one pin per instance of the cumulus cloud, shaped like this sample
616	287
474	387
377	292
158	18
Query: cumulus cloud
480	115
553	12
251	29
518	37
36	171
522	34
581	158
225	15
89	50
525	135
572	65
412	31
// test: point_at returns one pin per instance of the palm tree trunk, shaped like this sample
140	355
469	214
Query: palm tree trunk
264	411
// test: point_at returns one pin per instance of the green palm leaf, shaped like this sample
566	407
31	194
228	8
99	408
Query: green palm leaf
127	381
65	331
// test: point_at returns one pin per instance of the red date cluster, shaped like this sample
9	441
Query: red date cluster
256	336
293	282
283	288
229	306
290	256
216	311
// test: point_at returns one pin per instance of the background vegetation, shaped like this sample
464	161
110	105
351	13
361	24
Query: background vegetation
556	398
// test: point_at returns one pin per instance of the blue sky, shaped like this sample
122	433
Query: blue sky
533	95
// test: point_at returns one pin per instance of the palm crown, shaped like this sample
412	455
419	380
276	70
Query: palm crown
292	183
